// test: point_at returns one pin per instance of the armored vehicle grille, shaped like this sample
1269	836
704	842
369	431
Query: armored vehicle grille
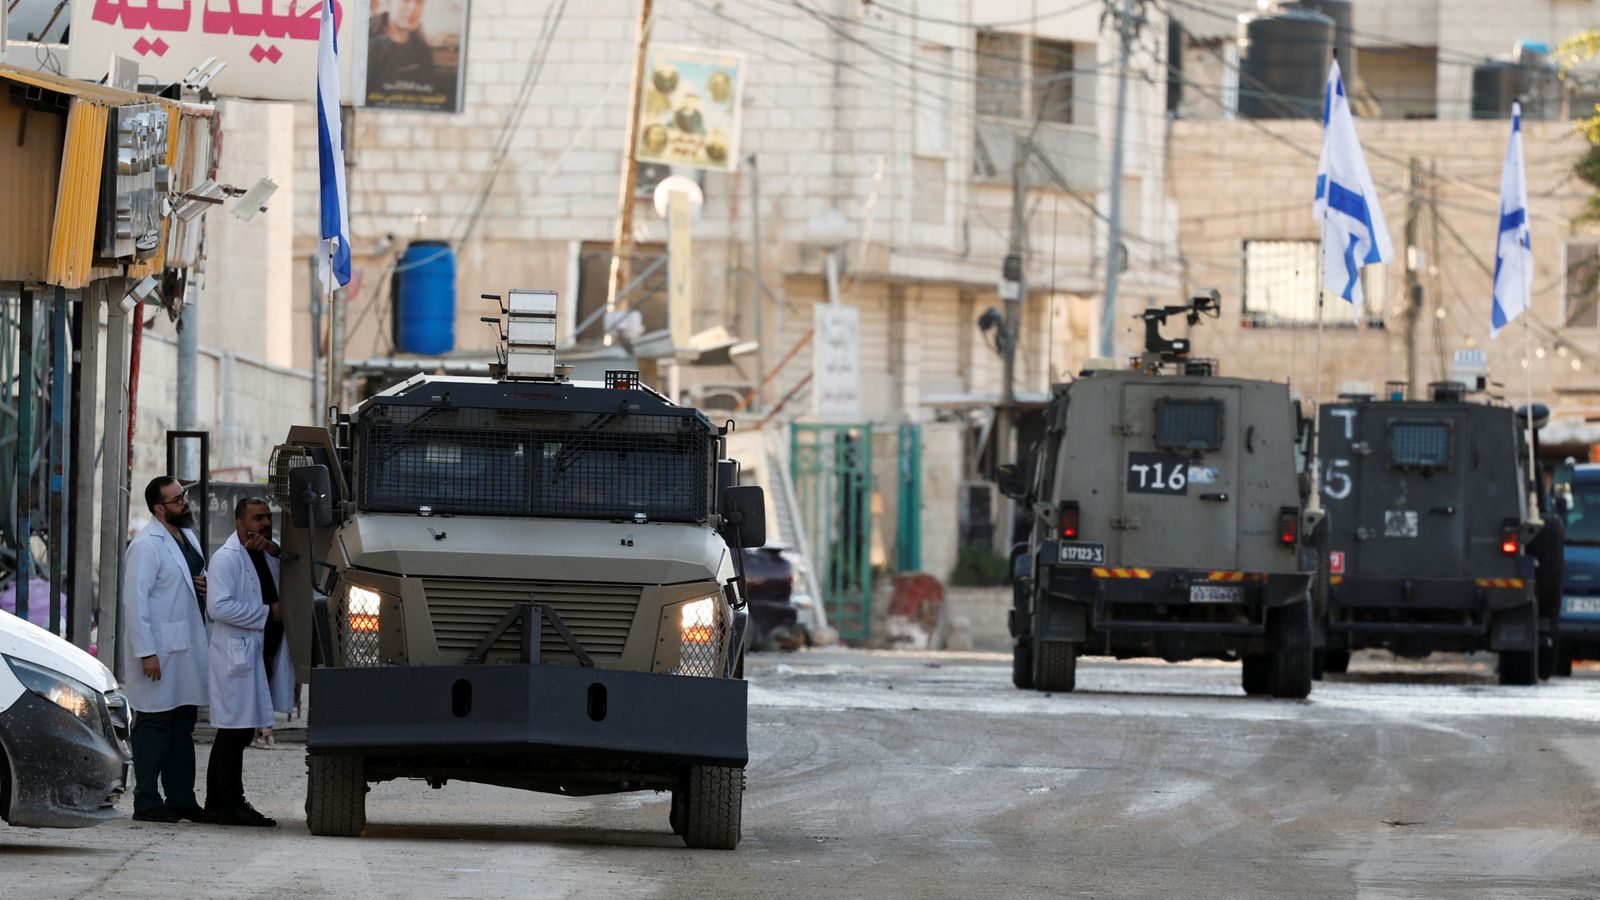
465	610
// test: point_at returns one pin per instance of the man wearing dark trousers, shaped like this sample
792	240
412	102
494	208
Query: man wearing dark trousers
251	676
164	644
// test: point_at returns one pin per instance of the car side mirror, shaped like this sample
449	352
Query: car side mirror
744	516
310	497
1010	481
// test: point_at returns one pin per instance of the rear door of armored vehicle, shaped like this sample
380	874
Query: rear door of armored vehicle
1395	483
1179	479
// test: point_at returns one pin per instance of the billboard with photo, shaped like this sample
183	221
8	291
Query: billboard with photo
417	54
691	108
269	46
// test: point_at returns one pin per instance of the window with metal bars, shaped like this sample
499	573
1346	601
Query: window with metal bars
534	463
1419	445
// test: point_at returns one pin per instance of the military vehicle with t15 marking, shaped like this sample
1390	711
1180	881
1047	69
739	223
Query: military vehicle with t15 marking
1167	518
1438	542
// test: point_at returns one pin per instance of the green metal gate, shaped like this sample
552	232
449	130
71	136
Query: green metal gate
908	505
832	468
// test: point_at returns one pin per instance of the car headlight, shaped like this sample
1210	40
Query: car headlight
358	626
68	693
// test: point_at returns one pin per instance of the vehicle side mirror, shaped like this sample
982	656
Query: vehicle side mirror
310	496
1010	481
744	516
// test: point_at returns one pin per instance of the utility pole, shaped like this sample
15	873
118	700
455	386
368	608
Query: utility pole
1013	293
1127	30
622	244
761	284
1413	310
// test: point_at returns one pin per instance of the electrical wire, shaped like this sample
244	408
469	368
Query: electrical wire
981	26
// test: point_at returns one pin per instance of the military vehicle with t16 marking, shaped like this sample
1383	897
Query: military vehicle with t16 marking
1166	518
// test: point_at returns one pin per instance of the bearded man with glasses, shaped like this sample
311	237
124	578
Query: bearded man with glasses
165	646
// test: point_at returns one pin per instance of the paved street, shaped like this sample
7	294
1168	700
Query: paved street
928	775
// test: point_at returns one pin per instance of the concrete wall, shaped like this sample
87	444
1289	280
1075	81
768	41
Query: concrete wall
246	404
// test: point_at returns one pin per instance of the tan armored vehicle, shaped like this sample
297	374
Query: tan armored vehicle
1164	515
523	581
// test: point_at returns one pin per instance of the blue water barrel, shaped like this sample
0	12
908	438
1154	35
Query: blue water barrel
425	299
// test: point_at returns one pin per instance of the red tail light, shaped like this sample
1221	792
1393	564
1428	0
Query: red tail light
1288	526
1509	545
1069	521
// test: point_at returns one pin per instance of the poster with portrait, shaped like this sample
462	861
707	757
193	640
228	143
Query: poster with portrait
416	55
691	108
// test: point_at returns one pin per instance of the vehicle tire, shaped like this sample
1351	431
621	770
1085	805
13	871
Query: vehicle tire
1022	663
1289	630
336	796
1336	661
1056	668
1254	673
1519	666
1318	663
675	816
713	806
1563	665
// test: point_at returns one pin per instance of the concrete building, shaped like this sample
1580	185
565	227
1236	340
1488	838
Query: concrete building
1244	186
902	122
1414	59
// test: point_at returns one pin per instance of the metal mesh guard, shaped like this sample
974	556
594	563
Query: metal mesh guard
360	647
701	652
517	463
284	458
1188	424
1420	444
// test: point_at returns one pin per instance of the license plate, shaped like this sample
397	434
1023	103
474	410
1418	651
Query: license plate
1214	593
1582	605
1078	553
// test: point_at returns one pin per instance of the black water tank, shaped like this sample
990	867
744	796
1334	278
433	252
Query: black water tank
1283	63
1494	88
1343	14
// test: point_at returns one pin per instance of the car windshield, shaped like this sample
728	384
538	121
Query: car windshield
1583	516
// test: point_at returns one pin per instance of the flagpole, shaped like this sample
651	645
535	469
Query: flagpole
1534	513
333	396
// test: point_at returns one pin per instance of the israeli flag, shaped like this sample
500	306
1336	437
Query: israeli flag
1513	255
1354	233
330	154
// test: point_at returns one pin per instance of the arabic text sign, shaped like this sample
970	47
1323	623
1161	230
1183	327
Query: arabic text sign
836	363
270	46
691	108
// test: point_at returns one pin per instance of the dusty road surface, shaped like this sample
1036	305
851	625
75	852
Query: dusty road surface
891	775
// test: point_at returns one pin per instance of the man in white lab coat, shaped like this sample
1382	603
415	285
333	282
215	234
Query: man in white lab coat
164	649
251	676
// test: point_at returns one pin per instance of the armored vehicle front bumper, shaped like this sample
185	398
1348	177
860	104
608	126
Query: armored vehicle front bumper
533	711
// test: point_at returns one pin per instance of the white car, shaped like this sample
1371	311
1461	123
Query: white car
64	759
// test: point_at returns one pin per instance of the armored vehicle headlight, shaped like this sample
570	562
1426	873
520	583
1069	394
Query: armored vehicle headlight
698	621
359	626
364	605
701	631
